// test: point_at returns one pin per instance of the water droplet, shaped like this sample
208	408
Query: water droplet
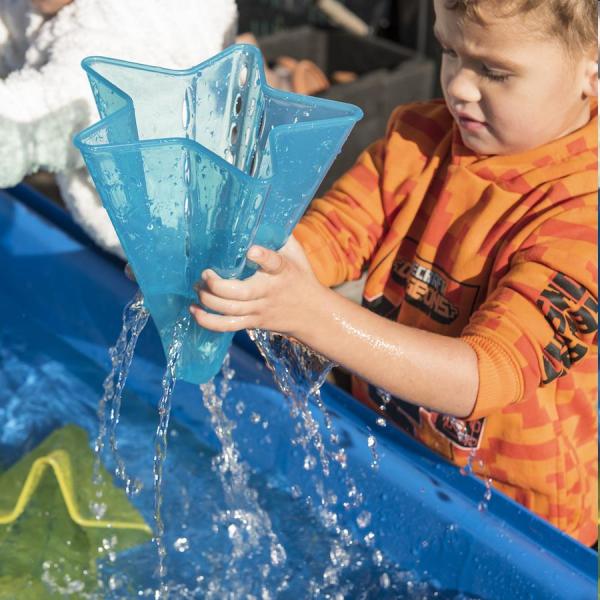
181	544
98	509
278	555
364	519
339	556
341	458
228	155
113	583
384	581
186	110
330	576
310	462
328	518
107	544
377	558
232	531
186	169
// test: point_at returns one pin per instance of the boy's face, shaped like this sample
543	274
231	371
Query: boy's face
509	87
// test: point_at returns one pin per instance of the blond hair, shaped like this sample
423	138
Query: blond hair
574	22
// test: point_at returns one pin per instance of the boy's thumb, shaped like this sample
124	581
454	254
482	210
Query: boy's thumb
269	261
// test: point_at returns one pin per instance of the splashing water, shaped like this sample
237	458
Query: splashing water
160	447
192	483
385	398
467	469
464	436
135	317
299	373
372	443
487	495
246	522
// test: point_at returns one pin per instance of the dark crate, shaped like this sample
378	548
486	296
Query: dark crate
263	17
389	75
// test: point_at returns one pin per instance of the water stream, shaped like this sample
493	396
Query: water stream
135	317
160	447
464	436
300	372
248	526
257	559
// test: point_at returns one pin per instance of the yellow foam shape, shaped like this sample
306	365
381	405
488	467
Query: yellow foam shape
60	463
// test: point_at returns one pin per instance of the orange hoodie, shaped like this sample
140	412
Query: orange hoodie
498	250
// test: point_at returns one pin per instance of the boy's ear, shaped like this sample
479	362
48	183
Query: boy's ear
590	84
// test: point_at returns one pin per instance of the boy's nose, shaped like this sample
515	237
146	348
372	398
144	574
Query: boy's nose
462	87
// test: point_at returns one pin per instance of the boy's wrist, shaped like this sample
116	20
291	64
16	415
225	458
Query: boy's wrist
315	321
309	313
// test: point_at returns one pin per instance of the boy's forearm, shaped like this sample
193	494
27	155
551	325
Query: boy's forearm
428	369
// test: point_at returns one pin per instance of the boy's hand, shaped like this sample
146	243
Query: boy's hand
278	297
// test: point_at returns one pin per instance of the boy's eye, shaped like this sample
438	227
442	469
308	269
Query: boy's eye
494	75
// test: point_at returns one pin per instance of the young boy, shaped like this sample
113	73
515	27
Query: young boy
476	217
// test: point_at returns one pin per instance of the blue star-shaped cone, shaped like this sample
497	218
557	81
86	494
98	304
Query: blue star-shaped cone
194	166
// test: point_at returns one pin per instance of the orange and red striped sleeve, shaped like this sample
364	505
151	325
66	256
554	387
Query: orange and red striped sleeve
341	229
541	320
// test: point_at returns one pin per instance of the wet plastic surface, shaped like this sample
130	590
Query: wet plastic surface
194	166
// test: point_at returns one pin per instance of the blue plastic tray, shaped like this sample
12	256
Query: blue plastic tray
76	293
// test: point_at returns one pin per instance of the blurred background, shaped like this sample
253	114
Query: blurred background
376	54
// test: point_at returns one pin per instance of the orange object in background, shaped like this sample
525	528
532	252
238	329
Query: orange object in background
344	76
308	79
291	75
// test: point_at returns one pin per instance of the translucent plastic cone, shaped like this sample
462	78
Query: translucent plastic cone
194	166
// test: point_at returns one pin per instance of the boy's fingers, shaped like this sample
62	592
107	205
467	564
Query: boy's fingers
230	289
219	322
269	261
233	308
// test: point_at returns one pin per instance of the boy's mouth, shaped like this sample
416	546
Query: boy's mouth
468	123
